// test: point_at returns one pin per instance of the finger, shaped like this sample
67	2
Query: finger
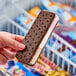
9	55
14	44
17	37
3	59
14	51
10	49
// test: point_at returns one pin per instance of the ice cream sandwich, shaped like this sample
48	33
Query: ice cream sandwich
37	37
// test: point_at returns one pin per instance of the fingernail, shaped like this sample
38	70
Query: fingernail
21	46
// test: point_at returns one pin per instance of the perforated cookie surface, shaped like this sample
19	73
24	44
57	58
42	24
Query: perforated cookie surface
35	36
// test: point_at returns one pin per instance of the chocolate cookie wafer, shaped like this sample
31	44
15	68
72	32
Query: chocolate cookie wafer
37	37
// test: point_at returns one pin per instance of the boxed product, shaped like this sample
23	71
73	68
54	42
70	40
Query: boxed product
65	16
24	21
34	11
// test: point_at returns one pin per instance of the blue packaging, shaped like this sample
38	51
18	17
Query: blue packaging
24	21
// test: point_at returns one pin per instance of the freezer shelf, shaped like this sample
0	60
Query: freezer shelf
8	25
58	58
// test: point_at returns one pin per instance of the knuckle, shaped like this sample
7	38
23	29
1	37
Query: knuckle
4	61
15	44
12	56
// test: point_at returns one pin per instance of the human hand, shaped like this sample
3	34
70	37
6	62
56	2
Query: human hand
9	44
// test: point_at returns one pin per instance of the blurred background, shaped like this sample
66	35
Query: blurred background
58	58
